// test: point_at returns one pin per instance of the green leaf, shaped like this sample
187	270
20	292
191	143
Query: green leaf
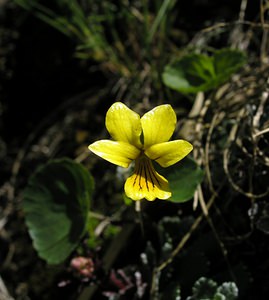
183	179
198	72
219	296
229	290
227	62
204	288
56	204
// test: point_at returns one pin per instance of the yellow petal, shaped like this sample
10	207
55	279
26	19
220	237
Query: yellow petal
118	153
169	153
146	182
158	125
123	124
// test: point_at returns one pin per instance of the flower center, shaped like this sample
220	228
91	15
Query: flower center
145	174
146	182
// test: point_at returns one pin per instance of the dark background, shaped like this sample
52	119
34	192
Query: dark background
43	70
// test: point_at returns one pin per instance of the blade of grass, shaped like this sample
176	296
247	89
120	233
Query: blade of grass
161	13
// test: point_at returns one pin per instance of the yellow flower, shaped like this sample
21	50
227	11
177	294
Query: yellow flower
142	140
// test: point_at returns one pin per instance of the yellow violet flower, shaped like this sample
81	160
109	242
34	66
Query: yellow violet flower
142	140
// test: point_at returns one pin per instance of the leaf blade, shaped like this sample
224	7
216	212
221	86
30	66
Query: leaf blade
56	203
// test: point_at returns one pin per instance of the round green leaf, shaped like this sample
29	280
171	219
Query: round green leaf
190	74
229	290
183	179
226	62
204	288
198	72
56	204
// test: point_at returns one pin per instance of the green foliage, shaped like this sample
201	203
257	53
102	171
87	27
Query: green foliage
204	288
198	72
92	241
108	233
228	291
56	204
128	201
171	231
183	178
94	28
207	289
